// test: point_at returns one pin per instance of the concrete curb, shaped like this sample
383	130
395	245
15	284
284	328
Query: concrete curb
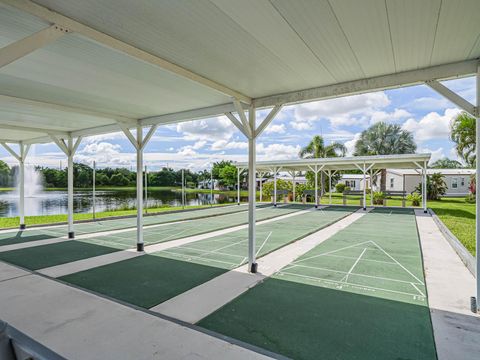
463	253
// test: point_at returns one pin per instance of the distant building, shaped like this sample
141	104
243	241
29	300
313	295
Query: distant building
457	180
354	181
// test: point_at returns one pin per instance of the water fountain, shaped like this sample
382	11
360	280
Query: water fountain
33	182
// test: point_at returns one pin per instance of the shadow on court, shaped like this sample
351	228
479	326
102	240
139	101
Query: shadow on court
146	280
312	322
44	256
22	237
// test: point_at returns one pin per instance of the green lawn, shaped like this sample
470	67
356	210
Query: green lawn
459	217
51	219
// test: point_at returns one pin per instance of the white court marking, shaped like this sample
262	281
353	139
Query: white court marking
344	281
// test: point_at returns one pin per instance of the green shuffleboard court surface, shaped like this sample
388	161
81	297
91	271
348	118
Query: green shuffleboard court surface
39	257
152	279
358	295
16	237
173	231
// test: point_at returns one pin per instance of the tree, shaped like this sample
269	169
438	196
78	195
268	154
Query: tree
446	163
225	172
463	135
5	174
436	186
316	148
384	139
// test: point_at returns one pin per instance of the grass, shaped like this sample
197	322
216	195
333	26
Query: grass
61	218
459	217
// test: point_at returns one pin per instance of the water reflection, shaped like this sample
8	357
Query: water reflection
55	202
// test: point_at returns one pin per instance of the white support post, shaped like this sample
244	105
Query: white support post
146	190
249	128
477	192
183	189
139	149
293	185
316	186
211	186
275	187
238	186
69	148
260	174
252	264
93	188
20	157
71	233
139	144
424	187
330	187
364	187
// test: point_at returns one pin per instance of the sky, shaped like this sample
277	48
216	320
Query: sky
197	144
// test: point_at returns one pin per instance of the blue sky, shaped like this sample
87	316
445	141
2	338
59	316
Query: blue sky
196	144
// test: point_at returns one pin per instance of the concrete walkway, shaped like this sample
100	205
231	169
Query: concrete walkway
450	286
197	303
79	325
89	263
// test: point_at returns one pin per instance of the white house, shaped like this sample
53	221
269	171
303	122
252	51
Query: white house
354	181
457	180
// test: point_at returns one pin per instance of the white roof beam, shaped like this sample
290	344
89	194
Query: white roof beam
113	43
195	114
406	78
268	119
32	129
25	46
452	96
51	106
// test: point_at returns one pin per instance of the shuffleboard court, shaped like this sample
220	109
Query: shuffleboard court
16	237
358	295
192	227
39	257
149	280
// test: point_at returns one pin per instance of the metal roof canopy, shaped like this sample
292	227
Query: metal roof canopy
78	72
72	68
404	161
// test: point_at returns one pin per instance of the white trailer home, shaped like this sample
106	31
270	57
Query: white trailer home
457	180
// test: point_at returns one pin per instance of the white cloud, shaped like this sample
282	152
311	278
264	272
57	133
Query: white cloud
231	145
350	145
348	105
436	154
279	129
277	151
187	151
199	144
431	126
305	125
219	128
397	114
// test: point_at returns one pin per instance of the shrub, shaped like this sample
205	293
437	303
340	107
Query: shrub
415	198
340	187
378	197
470	199
436	186
267	188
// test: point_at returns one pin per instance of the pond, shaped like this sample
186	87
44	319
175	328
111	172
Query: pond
55	202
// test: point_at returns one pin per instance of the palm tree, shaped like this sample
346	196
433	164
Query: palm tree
316	148
463	134
446	163
385	139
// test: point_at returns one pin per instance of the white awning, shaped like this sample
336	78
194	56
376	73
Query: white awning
160	62
404	161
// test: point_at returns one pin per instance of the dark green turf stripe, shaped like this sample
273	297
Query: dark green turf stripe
312	322
43	256
145	280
